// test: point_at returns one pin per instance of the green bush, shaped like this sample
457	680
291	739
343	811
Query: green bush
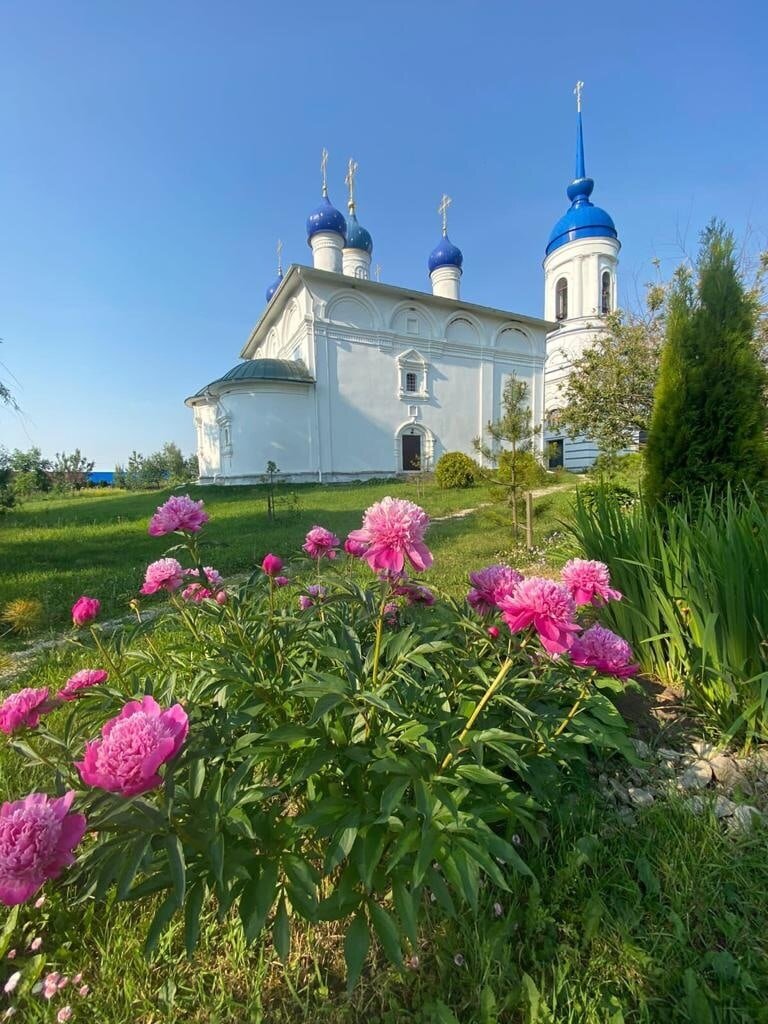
694	580
351	761
455	469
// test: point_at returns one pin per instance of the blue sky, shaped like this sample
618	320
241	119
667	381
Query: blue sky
153	153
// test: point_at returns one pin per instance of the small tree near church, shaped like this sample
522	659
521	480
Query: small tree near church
608	396
510	447
708	429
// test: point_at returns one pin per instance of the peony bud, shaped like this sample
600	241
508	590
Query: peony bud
84	610
272	565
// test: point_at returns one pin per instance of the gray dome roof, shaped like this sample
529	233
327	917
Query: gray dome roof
262	369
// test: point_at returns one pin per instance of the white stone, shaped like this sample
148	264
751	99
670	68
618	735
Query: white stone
723	807
726	771
640	797
698	776
745	817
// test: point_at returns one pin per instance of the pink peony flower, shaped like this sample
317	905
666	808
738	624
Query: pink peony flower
22	710
545	605
83	990
281	581
314	595
489	585
133	747
602	649
272	565
355	548
64	1014
221	597
37	836
36	943
164	574
320	543
393	530
179	513
198	592
494	632
84	610
82	680
589	582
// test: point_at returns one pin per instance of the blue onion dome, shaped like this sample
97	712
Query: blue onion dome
445	254
357	236
274	286
583	219
326	218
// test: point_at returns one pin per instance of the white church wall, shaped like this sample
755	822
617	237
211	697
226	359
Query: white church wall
208	447
248	427
366	347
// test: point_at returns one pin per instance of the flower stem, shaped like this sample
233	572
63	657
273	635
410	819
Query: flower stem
379	634
481	704
103	651
574	710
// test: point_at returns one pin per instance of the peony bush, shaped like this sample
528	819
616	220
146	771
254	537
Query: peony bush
329	740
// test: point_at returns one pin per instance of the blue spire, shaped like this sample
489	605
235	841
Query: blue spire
580	172
581	187
583	219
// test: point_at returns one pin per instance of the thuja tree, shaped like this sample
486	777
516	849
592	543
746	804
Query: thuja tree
708	429
510	447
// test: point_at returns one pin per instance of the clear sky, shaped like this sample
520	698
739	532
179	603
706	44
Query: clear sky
152	153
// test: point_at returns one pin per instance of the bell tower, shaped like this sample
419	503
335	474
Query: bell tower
580	287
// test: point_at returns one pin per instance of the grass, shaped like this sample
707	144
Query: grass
95	542
660	922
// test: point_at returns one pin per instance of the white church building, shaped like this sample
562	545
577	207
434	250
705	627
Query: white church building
344	377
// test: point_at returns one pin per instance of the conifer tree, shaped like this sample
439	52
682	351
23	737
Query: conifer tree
708	428
511	446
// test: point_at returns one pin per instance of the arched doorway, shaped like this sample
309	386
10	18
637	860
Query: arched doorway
414	448
411	454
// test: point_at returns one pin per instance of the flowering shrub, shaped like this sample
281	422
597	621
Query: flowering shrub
323	750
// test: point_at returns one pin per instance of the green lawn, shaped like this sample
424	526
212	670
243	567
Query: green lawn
96	542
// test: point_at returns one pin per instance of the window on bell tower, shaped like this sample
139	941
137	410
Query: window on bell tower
561	299
605	292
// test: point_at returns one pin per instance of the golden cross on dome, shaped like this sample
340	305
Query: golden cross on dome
442	209
349	181
577	93
280	257
324	170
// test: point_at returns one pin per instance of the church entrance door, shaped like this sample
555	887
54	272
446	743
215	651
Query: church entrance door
411	452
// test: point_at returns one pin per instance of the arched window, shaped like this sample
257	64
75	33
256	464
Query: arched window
605	292
561	299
